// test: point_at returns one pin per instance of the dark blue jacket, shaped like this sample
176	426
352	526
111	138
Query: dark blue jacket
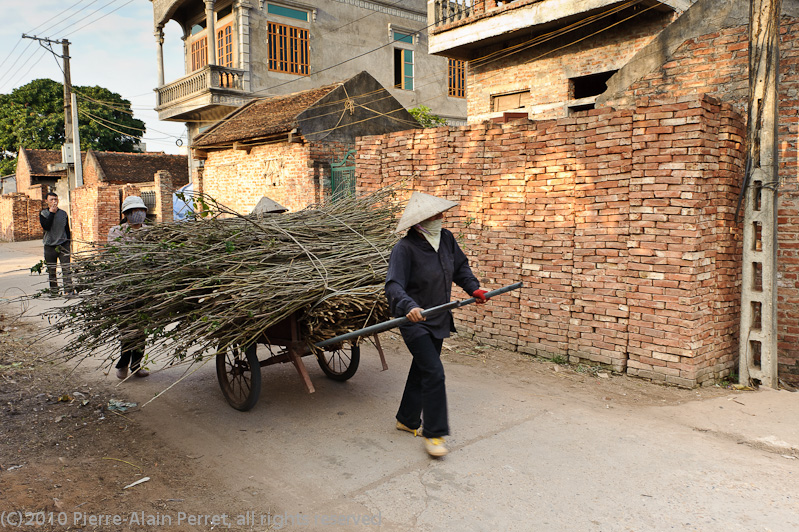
420	277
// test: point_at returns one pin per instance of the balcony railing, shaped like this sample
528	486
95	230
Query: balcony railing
208	78
447	11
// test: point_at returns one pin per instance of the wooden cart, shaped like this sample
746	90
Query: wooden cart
238	368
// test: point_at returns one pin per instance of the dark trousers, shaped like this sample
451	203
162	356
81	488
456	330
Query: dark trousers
132	352
425	394
52	254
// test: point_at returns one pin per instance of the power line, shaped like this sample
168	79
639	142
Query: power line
493	57
12	76
102	17
9	54
117	107
58	15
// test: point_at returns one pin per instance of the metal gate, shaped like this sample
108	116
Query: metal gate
342	178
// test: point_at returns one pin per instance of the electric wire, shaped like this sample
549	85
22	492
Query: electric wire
552	36
485	60
66	19
536	40
13	76
58	15
100	18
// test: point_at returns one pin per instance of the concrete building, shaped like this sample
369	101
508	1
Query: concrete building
268	48
543	58
297	149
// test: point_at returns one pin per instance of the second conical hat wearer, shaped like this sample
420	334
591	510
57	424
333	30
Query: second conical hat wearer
268	205
421	207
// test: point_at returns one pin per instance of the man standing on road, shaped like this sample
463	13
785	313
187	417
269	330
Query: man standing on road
421	270
57	240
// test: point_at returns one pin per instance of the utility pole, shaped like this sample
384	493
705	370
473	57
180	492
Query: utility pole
758	340
68	136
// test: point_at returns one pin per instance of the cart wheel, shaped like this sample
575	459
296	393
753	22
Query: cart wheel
338	364
239	375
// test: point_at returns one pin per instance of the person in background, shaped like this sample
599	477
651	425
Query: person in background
57	242
132	341
421	270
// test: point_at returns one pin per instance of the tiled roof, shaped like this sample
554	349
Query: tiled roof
118	168
262	118
39	159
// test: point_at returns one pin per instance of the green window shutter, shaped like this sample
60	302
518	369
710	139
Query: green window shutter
403	37
272	9
408	70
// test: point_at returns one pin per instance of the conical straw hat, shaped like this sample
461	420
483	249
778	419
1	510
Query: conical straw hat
268	205
421	207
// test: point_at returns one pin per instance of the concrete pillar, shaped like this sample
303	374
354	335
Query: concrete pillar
243	33
210	31
159	39
758	349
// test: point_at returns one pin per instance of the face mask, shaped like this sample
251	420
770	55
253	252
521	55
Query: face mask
136	217
431	231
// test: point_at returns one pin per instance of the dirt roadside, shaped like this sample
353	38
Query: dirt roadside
66	458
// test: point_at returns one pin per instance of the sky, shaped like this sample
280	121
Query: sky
111	45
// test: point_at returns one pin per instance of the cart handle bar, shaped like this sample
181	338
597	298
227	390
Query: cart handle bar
396	322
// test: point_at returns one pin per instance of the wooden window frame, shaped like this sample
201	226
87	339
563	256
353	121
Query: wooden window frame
457	78
288	49
226	46
199	51
405	81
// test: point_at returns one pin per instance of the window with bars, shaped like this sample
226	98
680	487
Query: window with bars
403	69
288	49
224	46
199	53
457	78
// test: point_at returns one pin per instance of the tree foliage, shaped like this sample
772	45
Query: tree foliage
425	116
32	117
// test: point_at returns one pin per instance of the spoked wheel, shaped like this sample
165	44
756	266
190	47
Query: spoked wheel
340	363
239	375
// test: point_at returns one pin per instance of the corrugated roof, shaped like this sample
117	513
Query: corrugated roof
121	167
262	118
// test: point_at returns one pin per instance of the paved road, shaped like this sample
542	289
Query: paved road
531	450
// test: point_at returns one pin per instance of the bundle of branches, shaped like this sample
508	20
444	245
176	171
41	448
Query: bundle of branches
224	279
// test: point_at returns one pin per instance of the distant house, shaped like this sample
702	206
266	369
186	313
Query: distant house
297	149
33	176
117	168
108	177
8	184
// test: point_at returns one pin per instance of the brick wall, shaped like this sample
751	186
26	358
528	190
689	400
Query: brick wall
38	191
545	69
292	174
163	196
95	211
96	208
19	217
90	176
23	174
717	64
617	221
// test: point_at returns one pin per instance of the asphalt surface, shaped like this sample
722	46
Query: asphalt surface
530	451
